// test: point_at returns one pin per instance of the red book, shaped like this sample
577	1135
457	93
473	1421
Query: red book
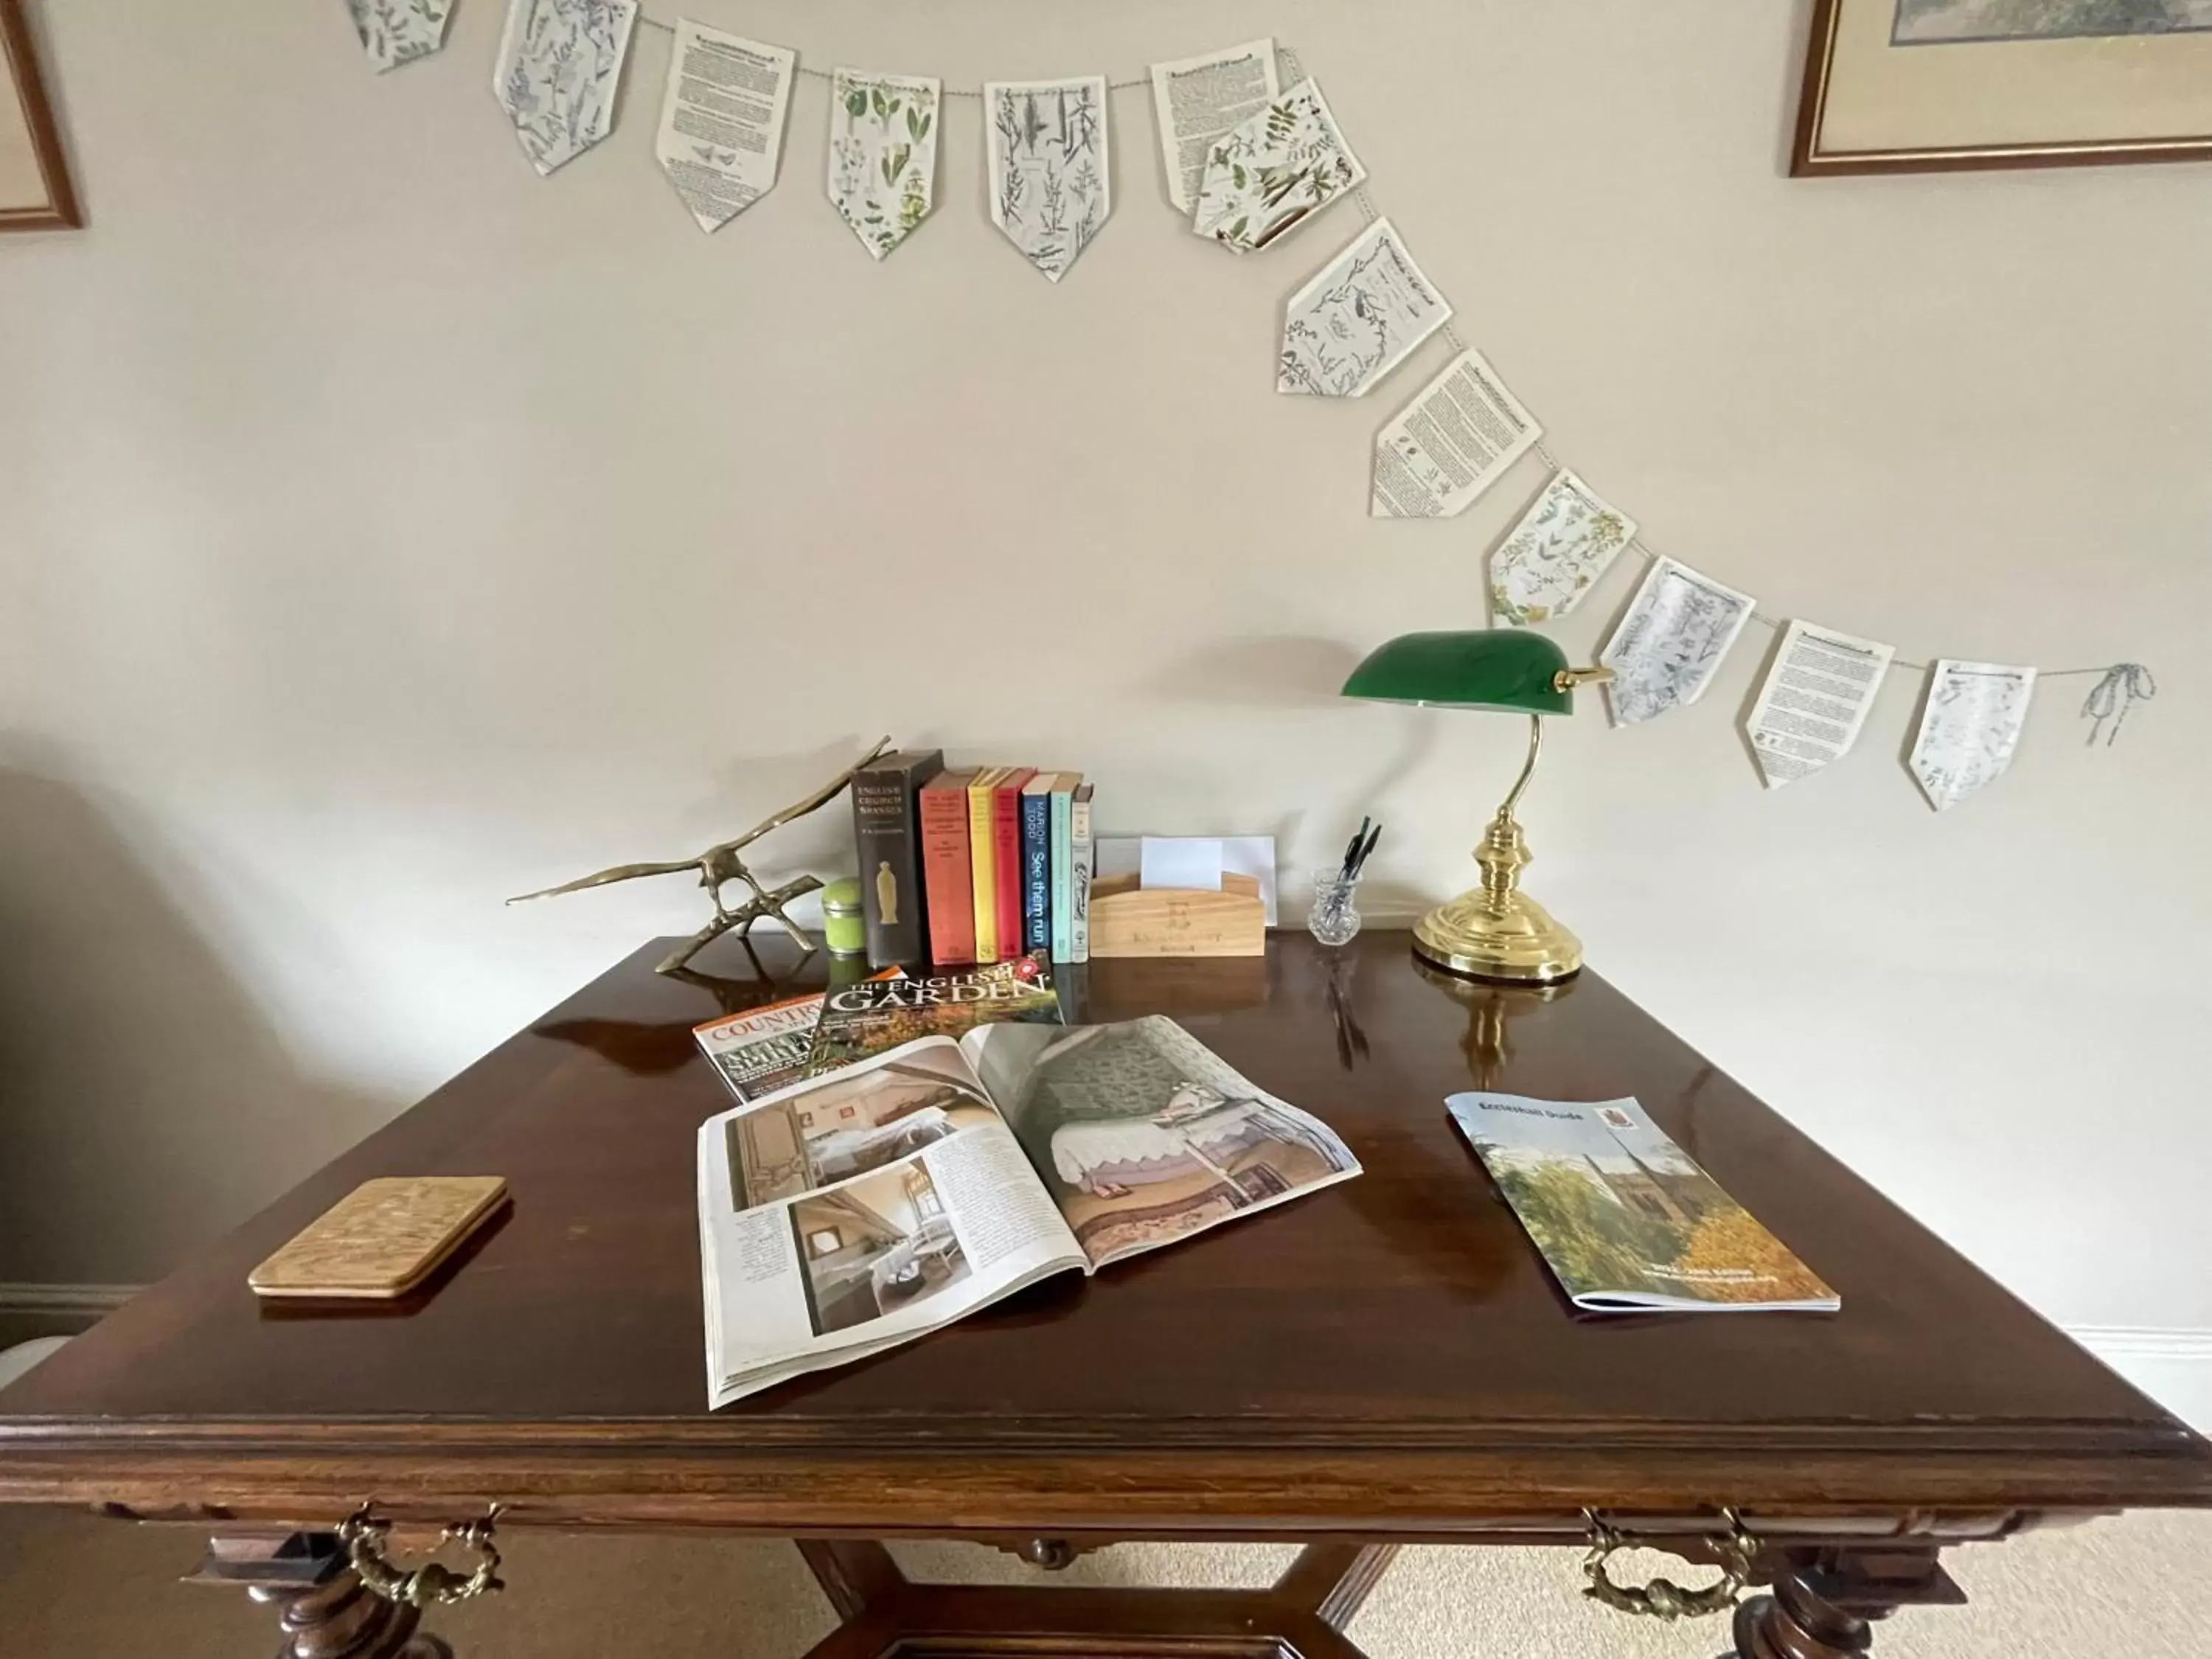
947	886
1007	857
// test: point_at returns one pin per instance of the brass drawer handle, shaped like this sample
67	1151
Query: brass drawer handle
433	1584
1663	1598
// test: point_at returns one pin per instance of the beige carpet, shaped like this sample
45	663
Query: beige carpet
73	1584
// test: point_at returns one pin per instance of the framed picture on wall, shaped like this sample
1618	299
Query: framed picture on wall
35	193
1922	85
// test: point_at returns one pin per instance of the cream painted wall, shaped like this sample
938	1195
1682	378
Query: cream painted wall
384	531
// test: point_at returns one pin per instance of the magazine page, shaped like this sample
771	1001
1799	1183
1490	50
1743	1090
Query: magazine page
859	1020
1143	1136
847	1213
1624	1218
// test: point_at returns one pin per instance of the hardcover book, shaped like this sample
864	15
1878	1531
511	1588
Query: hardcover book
887	831
983	864
1006	856
1037	863
947	873
1624	1218
1079	869
1060	904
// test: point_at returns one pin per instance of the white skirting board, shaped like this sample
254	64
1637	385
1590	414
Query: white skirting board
2173	1367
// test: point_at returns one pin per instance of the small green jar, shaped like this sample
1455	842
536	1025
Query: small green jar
844	927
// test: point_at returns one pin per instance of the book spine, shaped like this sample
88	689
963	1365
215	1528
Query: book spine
1080	853
946	873
1006	862
1037	871
887	836
983	867
1062	889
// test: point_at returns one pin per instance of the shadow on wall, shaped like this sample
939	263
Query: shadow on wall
146	1105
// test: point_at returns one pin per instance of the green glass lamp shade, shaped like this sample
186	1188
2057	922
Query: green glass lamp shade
1507	670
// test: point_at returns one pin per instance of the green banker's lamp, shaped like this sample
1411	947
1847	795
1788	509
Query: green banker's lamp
1494	930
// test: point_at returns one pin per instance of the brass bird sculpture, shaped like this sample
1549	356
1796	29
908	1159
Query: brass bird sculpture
720	864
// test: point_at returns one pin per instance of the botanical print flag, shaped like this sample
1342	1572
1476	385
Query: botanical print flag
560	61
1460	434
1049	190
1275	173
1358	317
883	154
1669	645
1561	546
1970	728
396	32
1814	701
721	120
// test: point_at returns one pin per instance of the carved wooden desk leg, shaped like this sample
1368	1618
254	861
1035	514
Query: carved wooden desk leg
1823	1602
325	1612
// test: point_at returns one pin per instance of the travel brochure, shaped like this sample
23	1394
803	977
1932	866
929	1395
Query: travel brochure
1624	1218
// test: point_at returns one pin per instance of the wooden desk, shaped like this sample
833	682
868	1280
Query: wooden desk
1383	1363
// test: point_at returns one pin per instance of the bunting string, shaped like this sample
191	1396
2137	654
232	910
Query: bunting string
646	20
2119	685
1247	186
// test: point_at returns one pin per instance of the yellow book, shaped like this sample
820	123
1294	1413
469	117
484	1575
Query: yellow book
983	862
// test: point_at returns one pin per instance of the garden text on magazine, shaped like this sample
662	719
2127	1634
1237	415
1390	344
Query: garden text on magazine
861	1020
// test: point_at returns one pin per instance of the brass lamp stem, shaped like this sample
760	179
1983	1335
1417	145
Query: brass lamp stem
1503	852
1495	931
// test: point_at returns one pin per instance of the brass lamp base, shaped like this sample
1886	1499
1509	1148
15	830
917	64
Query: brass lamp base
1496	930
1517	943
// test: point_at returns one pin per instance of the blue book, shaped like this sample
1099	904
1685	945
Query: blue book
1036	862
1063	866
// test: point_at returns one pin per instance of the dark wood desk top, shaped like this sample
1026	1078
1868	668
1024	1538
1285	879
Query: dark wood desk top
1389	1353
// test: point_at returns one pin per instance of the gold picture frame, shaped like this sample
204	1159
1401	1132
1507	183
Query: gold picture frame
1908	86
35	191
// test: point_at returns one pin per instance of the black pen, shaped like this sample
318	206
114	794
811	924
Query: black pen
1360	863
1352	850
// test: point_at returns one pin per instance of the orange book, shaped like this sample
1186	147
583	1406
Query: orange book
983	862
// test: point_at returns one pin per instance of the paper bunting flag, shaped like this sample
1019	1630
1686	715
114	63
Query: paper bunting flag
1199	101
560	61
1669	645
721	122
883	154
1562	545
396	32
1274	172
1969	728
1814	701
1455	438
1357	319
1049	188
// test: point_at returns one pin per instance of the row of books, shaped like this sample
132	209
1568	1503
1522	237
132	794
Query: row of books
975	865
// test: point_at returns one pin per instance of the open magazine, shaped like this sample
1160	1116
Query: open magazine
1624	1218
844	1214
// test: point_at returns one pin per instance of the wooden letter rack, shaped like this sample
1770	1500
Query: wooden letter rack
1129	920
